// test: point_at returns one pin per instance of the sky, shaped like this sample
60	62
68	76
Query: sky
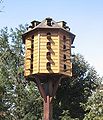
84	17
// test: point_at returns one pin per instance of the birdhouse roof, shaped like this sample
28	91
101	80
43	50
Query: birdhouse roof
48	23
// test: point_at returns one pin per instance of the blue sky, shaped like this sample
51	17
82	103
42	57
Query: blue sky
84	17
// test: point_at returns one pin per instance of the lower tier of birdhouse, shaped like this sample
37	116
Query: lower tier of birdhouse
45	77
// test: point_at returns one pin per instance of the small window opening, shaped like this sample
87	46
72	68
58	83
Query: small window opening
31	56
32	42
49	45
64	38
32	36
32	45
64	57
48	65
48	33
48	55
64	47
65	67
31	66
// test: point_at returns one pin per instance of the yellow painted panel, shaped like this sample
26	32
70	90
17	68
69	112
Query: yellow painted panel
62	63
28	41
45	45
46	71
43	60
43	51
44	42
52	65
27	46
35	55
35	52
35	47
53	54
35	59
28	51
27	62
27	57
27	73
27	65
35	63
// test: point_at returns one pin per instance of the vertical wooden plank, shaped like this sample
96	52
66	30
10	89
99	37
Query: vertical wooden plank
27	56
38	53
59	53
35	54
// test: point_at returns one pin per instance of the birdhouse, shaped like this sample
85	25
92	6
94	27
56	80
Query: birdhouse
48	48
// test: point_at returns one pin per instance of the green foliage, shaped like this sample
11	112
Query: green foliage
75	91
5	73
18	100
95	106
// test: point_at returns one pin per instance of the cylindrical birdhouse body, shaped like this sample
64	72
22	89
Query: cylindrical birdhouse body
48	49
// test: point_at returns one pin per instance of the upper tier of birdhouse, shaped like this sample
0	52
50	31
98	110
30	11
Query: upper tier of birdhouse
48	48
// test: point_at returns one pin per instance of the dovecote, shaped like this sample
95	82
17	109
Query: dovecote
48	48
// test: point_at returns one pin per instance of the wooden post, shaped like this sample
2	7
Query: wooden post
48	109
47	91
48	87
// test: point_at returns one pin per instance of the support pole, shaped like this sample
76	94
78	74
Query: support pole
48	109
48	91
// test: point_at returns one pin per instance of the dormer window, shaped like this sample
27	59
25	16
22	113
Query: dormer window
49	21
35	23
64	24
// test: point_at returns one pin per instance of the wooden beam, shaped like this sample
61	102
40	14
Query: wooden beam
40	87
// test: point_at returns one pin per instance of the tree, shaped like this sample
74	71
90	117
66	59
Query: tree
5	77
19	100
95	105
74	91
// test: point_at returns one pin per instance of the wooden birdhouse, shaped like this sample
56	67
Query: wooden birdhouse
48	48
